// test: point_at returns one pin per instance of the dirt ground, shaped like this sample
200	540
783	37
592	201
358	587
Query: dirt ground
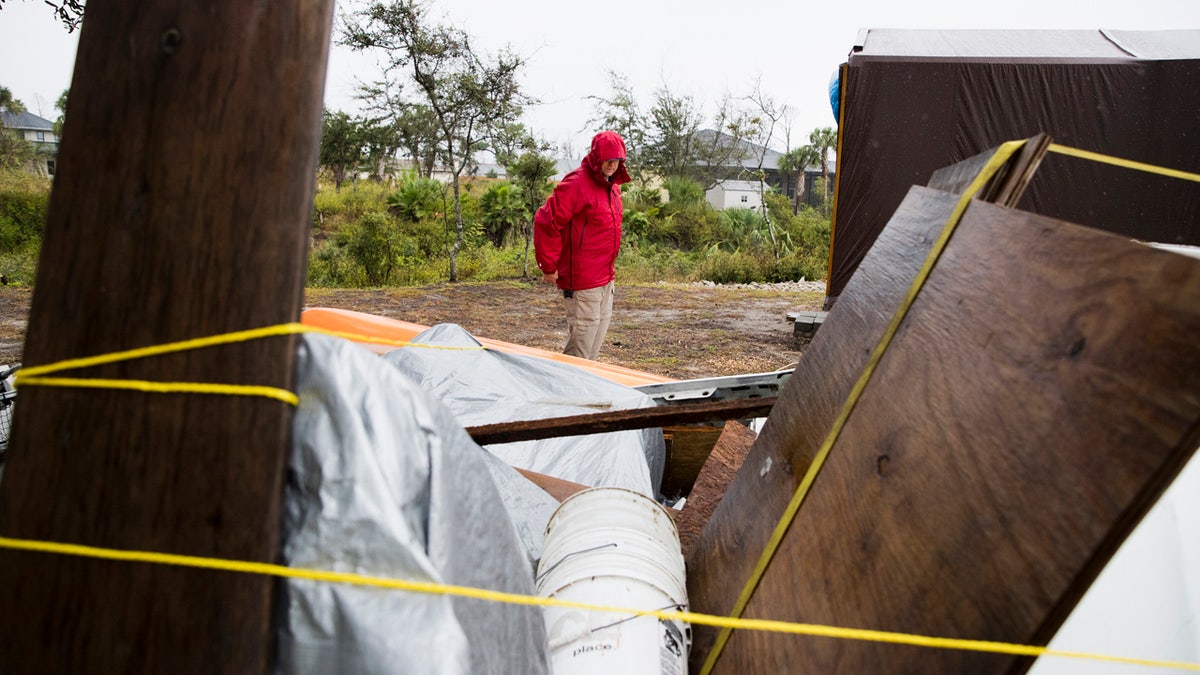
679	331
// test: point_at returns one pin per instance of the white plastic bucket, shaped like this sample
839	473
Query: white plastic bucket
616	548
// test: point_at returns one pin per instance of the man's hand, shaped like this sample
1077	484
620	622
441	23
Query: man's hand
549	277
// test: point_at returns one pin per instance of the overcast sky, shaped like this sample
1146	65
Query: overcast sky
701	48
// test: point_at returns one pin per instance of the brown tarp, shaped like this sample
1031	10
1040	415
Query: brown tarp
918	100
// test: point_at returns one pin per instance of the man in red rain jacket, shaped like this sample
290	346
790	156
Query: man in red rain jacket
576	237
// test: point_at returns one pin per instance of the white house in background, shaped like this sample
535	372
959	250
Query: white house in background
38	131
734	194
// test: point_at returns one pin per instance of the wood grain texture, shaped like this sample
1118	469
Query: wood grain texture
1041	394
1007	185
722	464
180	210
555	487
688	448
737	532
620	420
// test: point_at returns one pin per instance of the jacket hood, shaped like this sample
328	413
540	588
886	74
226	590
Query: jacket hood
607	145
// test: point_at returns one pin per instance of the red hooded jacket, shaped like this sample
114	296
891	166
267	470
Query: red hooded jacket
577	232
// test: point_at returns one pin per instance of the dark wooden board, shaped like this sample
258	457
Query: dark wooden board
620	420
180	210
688	448
1009	182
555	487
1039	397
722	464
737	532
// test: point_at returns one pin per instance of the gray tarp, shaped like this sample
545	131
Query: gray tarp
487	387
383	481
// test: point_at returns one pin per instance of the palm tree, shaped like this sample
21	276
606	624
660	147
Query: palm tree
798	159
7	102
824	140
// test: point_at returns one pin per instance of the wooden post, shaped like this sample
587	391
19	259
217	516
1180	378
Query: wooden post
180	210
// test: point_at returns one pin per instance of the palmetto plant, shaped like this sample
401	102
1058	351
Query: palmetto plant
503	210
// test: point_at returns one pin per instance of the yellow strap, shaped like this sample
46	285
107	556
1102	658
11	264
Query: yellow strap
168	348
33	376
433	588
164	387
997	160
1124	163
214	340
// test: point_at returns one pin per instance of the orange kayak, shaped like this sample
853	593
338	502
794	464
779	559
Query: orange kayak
363	328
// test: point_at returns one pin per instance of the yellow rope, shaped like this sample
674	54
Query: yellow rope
694	618
34	376
164	387
1124	163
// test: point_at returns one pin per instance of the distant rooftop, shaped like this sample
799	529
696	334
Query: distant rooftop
25	120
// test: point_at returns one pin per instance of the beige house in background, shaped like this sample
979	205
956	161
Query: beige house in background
38	131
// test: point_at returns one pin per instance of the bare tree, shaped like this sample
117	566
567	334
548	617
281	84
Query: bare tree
69	12
416	128
620	113
467	93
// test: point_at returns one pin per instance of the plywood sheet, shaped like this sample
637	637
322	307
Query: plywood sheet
1042	392
728	547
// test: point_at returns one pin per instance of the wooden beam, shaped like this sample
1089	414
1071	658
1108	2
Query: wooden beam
620	420
180	210
1036	401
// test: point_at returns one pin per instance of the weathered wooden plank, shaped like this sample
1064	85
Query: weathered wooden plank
688	447
180	210
718	471
724	556
555	487
620	420
1007	185
1041	394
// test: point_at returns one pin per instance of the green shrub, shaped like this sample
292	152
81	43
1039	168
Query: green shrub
417	198
642	199
651	263
330	265
742	229
350	203
723	267
22	217
373	242
432	236
488	263
687	228
683	192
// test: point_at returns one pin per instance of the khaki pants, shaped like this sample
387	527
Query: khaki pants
588	315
